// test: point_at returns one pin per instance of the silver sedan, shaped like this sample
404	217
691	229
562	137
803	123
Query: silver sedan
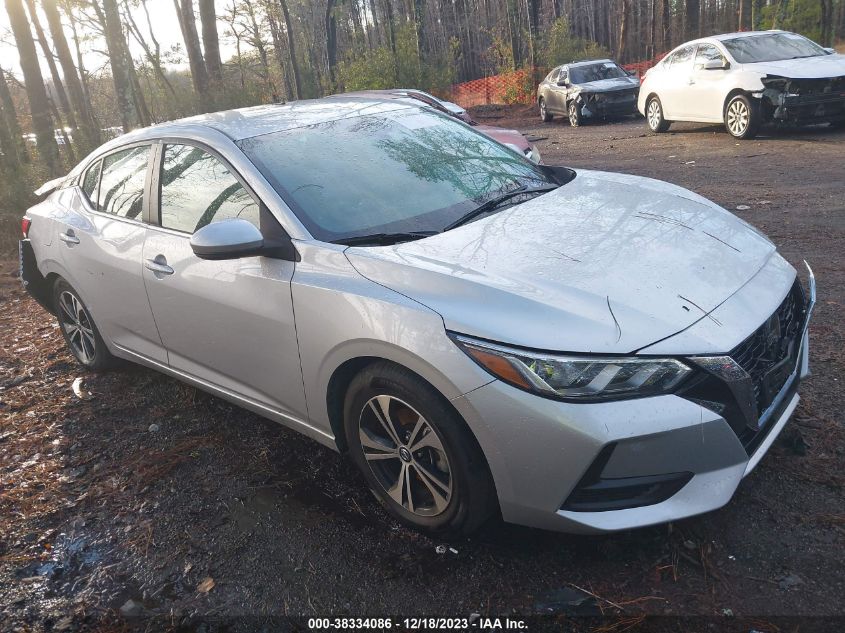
572	350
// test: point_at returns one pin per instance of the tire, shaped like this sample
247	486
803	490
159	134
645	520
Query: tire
444	487
742	117
545	115
576	119
654	116
79	330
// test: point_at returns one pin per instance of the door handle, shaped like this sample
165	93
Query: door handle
158	265
69	237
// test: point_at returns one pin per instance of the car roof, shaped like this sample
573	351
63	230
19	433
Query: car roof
588	62
242	123
728	36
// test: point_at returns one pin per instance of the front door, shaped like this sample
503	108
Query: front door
708	87
228	323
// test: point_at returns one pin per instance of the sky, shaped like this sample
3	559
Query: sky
165	23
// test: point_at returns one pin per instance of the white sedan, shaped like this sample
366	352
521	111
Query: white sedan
745	80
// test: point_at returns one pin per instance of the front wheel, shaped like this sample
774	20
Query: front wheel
545	115
654	116
79	330
742	117
416	453
575	116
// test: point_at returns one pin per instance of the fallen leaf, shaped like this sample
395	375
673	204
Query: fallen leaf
206	585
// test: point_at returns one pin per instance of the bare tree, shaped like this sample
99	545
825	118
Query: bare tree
210	40
294	63
199	73
78	100
39	104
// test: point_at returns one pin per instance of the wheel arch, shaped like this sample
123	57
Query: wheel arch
733	93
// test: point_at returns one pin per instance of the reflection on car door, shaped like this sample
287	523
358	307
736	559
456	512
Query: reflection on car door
102	239
228	323
675	92
706	94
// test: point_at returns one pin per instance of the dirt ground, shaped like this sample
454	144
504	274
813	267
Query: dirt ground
148	495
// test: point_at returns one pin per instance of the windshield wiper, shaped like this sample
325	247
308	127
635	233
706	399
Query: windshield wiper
491	204
384	239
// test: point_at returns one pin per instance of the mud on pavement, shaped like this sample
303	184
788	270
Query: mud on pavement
132	496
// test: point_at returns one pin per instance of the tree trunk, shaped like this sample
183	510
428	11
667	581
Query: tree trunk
39	104
666	26
825	22
294	63
210	40
58	86
741	15
199	74
331	41
692	8
391	27
14	148
121	76
756	17
84	116
624	17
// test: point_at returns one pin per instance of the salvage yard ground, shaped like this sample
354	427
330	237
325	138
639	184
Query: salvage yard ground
146	494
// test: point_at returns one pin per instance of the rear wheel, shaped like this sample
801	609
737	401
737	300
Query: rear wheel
575	116
545	115
742	117
654	116
416	453
79	330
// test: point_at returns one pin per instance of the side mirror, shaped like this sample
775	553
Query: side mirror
716	64
228	239
830	51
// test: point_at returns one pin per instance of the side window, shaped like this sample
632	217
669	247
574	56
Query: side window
706	53
198	189
91	180
122	183
564	75
681	57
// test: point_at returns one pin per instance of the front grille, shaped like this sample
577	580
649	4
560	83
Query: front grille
773	344
769	358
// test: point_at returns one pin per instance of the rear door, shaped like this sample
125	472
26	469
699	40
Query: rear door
228	323
101	241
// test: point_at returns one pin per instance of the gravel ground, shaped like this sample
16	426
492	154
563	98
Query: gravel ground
148	495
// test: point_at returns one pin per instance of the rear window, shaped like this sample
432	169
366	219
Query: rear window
122	182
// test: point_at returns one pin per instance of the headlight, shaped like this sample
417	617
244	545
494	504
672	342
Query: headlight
576	377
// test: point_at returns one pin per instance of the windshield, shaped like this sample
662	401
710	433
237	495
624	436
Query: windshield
406	170
595	72
771	47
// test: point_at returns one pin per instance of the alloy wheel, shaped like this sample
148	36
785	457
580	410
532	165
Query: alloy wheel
405	455
76	323
654	114
738	117
543	109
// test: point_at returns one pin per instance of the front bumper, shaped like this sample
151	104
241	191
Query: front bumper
669	456
608	104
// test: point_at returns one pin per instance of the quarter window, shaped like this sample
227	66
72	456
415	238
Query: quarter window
91	181
121	190
198	189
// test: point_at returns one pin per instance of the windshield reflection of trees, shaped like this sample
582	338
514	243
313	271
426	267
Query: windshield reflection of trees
471	163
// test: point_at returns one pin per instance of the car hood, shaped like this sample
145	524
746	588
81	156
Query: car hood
609	85
504	135
807	68
608	263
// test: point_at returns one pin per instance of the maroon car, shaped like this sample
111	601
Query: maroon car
512	138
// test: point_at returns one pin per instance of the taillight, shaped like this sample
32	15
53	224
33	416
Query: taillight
25	224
